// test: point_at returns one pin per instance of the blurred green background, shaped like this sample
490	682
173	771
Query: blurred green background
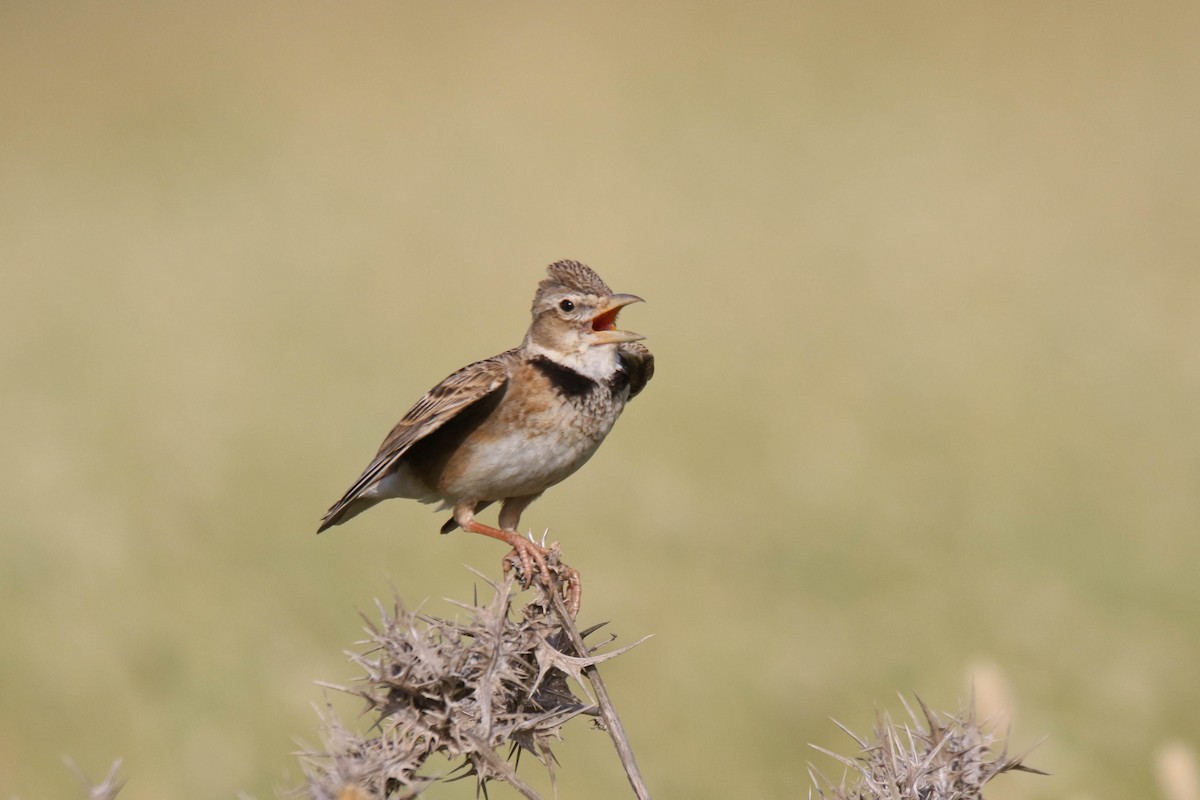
923	283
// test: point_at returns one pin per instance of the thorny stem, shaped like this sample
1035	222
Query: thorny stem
500	765
607	712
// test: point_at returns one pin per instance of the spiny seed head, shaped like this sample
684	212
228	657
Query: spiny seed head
466	690
932	757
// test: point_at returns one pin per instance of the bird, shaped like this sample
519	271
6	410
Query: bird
507	428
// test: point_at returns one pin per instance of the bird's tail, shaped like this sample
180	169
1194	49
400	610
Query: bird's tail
343	511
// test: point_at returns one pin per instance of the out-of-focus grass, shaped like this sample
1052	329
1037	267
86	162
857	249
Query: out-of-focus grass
922	283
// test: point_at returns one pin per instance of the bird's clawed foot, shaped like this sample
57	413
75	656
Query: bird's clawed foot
527	555
556	576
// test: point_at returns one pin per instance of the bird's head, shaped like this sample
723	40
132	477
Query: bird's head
575	313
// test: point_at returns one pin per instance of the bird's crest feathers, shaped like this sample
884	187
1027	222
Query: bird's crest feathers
573	276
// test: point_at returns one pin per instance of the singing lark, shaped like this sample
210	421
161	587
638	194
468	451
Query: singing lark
508	427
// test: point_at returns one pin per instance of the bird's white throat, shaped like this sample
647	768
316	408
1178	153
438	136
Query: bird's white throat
598	362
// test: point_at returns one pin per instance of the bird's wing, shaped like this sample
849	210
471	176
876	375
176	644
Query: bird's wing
639	363
439	405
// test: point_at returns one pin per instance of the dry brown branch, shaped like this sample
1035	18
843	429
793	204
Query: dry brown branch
608	712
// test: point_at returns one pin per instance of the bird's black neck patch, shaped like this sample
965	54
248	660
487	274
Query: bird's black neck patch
566	380
619	382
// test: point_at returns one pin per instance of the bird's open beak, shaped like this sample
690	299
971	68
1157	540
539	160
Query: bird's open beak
605	323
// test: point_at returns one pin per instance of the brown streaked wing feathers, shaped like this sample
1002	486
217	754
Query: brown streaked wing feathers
639	363
439	405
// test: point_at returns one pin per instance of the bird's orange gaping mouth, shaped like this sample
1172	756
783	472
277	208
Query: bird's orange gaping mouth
604	324
606	321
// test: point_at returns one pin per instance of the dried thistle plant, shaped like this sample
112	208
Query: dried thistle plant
107	789
930	757
463	689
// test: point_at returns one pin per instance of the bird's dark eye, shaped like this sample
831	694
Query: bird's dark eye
567	305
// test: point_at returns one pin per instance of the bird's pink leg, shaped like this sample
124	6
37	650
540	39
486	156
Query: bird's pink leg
530	554
525	550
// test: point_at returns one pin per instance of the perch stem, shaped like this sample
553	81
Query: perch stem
607	711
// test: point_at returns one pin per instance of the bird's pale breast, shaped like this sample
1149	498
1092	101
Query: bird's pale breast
537	436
